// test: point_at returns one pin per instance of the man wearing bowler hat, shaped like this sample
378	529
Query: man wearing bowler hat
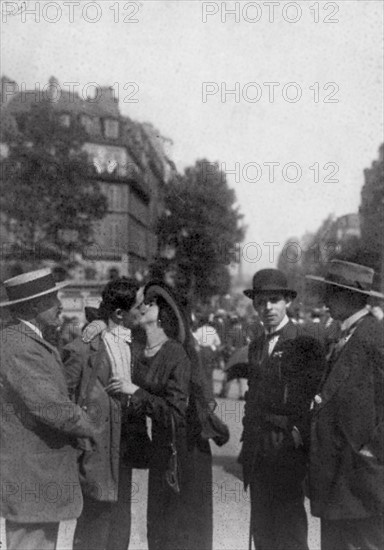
40	492
347	435
285	368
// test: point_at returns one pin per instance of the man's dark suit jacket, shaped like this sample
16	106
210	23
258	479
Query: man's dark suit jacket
281	388
345	483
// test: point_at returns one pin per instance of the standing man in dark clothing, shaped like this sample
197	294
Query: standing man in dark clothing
347	436
285	368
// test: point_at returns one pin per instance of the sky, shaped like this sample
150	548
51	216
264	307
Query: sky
294	151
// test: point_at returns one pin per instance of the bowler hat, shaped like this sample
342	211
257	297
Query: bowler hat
158	288
355	277
269	280
29	286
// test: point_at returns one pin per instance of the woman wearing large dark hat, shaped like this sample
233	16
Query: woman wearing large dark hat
169	387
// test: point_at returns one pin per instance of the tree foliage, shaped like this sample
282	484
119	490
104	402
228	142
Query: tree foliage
198	232
47	193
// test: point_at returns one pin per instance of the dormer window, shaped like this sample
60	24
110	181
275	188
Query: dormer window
86	123
111	128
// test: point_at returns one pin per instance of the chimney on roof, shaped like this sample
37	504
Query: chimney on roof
108	95
54	91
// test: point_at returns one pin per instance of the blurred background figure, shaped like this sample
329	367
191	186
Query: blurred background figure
209	347
235	354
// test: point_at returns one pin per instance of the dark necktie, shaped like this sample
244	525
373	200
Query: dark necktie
268	336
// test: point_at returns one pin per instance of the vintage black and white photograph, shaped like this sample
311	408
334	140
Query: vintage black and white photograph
192	275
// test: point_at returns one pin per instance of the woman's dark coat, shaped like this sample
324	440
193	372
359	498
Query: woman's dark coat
174	520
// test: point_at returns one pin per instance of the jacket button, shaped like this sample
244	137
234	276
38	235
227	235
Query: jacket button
318	399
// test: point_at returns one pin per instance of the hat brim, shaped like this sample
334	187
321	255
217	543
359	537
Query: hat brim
251	293
372	293
158	289
34	296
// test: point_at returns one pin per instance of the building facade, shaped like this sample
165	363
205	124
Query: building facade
372	214
129	163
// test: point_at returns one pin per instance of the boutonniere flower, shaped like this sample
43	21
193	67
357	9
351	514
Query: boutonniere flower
278	354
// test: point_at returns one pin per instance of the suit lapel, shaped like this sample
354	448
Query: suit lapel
337	372
339	368
287	333
29	333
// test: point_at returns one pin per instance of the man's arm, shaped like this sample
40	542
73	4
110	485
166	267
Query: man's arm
36	385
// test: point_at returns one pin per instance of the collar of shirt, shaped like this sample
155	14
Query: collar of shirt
120	331
32	327
274	334
278	328
348	323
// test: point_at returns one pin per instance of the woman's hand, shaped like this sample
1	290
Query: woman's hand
121	385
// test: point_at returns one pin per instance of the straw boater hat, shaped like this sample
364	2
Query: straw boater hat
356	277
156	288
29	286
269	280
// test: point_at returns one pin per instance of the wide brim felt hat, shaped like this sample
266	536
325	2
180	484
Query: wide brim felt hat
350	276
30	286
267	281
158	288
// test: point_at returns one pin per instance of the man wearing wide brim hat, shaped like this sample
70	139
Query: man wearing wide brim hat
284	372
41	493
347	443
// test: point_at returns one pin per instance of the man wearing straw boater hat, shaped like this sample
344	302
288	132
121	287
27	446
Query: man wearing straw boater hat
347	437
285	368
40	492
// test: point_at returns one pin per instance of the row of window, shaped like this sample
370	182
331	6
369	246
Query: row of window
95	126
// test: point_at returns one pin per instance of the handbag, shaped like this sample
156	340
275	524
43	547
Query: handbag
172	472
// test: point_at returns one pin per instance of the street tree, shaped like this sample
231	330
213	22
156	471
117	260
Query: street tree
199	232
48	196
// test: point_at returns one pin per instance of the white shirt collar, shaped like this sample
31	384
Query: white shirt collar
120	331
32	327
279	326
347	323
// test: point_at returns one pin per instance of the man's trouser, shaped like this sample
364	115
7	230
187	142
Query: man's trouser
277	523
107	525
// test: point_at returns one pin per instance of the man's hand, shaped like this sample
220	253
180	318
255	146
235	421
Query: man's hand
121	385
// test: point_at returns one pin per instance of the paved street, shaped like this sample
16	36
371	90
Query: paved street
230	502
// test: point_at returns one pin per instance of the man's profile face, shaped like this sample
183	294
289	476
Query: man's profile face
336	302
131	317
271	307
49	311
